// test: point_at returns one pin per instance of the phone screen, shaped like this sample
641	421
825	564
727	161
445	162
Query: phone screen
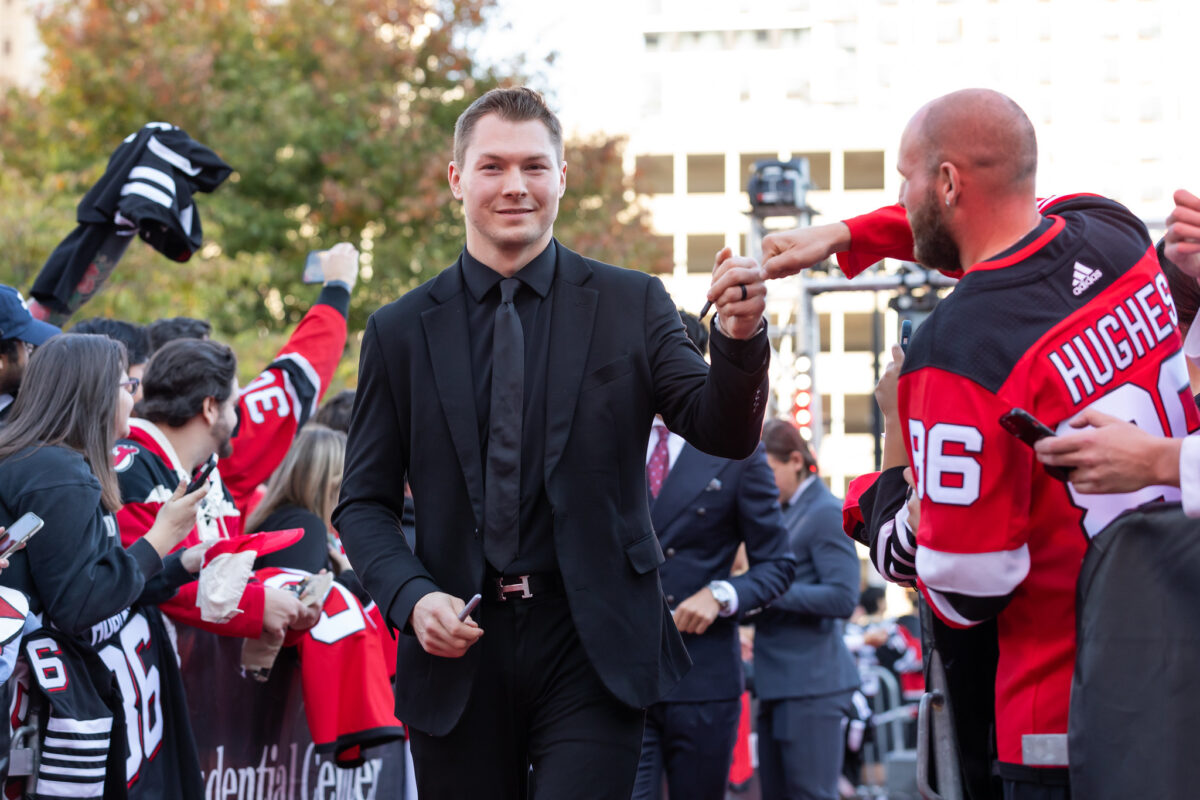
20	532
313	272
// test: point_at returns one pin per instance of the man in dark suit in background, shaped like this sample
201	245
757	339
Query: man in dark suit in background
803	674
516	391
703	508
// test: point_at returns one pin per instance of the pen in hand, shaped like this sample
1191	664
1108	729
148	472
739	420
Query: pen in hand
468	608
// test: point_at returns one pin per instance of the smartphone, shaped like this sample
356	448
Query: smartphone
202	475
20	532
469	607
313	272
905	333
1030	430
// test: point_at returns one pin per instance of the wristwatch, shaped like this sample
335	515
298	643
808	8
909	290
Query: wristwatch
721	592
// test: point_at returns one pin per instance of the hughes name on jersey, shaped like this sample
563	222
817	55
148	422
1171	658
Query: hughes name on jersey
1076	315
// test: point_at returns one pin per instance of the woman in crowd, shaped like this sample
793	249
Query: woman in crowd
302	494
55	460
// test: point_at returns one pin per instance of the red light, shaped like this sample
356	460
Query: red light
803	416
803	398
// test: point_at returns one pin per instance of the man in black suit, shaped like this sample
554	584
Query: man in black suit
804	675
703	508
516	391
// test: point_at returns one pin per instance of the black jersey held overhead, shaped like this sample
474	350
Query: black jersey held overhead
146	189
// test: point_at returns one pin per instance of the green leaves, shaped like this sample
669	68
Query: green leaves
337	116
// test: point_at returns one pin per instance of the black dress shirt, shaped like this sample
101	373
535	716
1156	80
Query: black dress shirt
533	301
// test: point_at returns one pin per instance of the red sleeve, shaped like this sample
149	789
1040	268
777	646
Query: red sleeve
133	520
975	485
852	516
247	625
883	233
275	404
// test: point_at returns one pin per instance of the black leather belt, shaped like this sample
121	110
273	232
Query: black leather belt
502	588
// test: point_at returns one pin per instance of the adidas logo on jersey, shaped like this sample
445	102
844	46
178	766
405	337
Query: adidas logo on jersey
1084	278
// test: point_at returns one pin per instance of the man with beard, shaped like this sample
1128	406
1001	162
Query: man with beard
1061	308
188	414
19	334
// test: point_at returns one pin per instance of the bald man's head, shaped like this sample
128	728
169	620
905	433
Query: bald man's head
980	131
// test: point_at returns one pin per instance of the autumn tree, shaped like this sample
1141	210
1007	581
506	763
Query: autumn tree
336	116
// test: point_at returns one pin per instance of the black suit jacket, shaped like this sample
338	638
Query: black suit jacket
618	354
707	507
798	645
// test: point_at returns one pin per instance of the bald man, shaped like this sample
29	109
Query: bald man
1061	307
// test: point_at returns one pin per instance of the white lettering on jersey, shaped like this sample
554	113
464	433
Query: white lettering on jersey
945	477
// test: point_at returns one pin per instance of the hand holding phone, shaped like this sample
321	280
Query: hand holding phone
906	329
20	532
1030	430
314	270
202	475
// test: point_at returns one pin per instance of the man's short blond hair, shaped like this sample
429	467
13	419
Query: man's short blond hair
517	104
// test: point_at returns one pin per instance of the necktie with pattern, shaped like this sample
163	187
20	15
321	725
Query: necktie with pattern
660	461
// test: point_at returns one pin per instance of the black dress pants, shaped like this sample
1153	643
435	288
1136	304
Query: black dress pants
693	744
536	702
1020	790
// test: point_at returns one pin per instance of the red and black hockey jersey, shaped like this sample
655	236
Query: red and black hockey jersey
274	405
271	409
110	709
1075	315
344	668
148	470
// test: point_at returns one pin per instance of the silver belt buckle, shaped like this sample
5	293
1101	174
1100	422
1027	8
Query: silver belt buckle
508	588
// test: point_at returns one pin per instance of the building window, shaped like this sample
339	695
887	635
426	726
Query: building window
863	169
858	333
651	40
702	249
705	174
858	409
818	168
654	174
823	332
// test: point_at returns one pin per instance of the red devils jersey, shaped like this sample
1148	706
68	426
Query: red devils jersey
274	405
348	697
148	470
1077	315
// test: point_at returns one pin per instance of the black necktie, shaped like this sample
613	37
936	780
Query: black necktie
502	484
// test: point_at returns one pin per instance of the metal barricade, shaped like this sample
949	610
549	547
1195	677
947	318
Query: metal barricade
935	739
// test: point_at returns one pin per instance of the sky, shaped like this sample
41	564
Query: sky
595	45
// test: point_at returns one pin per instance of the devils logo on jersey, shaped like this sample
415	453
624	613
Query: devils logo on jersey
123	457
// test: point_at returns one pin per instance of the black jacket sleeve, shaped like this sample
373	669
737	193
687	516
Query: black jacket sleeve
163	586
77	569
